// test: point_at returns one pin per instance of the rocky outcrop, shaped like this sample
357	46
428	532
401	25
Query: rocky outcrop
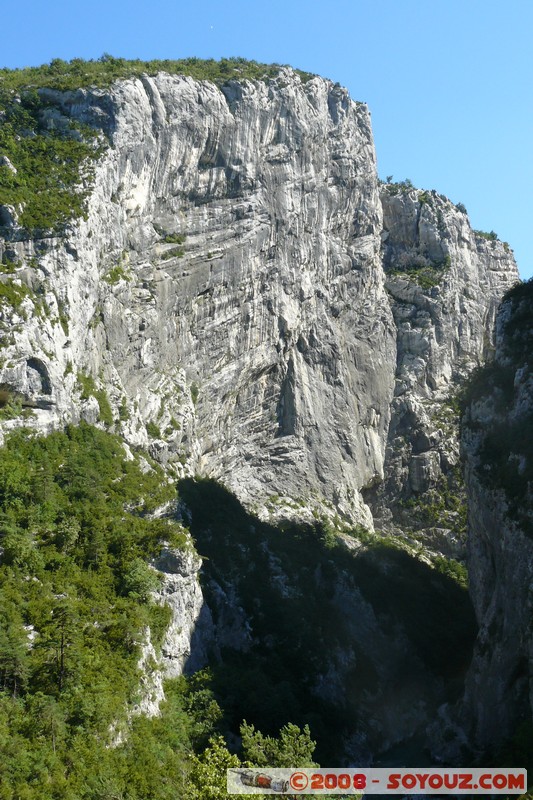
187	641
241	301
444	281
189	637
226	296
250	345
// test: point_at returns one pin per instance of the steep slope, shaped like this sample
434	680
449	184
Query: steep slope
444	282
240	296
224	303
244	344
497	448
351	634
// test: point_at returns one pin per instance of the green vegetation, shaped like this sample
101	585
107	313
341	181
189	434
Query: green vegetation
117	274
87	385
194	392
172	427
13	294
123	411
12	409
75	74
75	605
174	238
398	187
153	430
73	532
442	506
173	252
521	290
169	238
88	388
63	317
424	275
492	236
453	569
106	413
53	164
8	265
208	774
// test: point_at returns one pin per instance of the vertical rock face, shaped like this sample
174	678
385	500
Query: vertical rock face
227	285
499	462
227	292
241	301
190	632
444	281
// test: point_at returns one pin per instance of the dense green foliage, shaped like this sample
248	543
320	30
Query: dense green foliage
75	539
78	73
13	294
53	162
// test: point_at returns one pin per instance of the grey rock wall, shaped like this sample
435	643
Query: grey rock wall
444	283
189	637
252	308
227	287
263	346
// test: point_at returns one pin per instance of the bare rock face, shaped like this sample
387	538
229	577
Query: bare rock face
190	633
242	302
227	293
227	286
444	282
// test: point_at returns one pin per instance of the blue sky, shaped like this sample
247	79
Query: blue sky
449	82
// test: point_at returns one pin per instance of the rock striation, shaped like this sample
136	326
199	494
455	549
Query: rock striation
227	294
444	281
246	300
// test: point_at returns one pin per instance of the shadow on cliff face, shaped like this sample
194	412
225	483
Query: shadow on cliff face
363	645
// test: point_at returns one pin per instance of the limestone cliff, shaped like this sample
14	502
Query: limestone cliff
226	292
247	302
444	282
261	348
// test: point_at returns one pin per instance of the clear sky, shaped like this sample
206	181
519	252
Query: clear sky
449	82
